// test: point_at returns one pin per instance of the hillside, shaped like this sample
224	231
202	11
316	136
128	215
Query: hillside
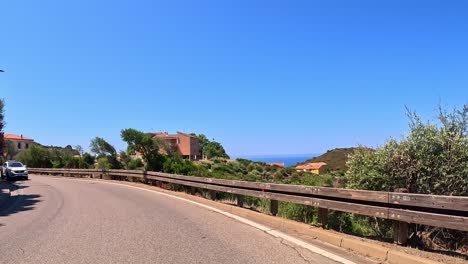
335	158
69	150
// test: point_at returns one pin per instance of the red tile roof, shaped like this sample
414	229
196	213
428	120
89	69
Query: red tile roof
167	135
279	164
185	134
311	166
16	137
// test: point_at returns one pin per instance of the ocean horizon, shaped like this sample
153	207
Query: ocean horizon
289	160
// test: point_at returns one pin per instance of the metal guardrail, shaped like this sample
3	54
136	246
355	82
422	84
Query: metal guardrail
433	210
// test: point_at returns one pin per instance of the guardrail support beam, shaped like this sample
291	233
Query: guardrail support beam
400	232
274	207
322	217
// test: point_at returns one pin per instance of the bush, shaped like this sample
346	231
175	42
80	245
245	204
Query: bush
35	157
431	159
103	164
135	164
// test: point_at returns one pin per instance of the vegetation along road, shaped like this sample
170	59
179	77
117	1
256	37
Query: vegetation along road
59	220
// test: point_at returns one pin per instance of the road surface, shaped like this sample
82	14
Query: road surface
63	220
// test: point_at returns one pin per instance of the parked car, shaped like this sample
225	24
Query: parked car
14	170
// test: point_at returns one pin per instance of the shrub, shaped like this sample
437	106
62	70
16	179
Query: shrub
103	164
431	159
135	164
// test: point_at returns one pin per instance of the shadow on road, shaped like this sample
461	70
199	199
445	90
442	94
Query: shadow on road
19	203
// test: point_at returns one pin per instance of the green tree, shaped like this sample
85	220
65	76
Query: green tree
210	149
214	150
125	159
10	149
135	164
35	156
88	159
142	143
102	148
79	148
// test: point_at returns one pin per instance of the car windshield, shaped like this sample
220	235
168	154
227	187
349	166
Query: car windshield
16	165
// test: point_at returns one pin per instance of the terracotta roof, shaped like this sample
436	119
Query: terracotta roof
16	137
167	135
279	164
164	135
311	166
185	134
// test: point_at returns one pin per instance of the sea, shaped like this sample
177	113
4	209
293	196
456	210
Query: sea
289	160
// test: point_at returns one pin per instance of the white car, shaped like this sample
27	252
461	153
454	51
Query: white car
14	170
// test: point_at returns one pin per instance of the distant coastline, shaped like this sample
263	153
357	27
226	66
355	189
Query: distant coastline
289	160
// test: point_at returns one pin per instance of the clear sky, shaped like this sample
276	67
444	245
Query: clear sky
261	77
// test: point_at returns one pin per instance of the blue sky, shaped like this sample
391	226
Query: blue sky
262	77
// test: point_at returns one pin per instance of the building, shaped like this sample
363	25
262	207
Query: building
19	142
186	145
315	167
279	164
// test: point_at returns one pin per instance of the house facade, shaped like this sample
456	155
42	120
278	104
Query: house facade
184	144
20	142
314	167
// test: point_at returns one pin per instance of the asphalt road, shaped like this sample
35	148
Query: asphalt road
61	220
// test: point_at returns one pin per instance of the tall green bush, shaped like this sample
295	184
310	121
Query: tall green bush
431	159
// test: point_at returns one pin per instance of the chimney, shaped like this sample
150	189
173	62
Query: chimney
21	136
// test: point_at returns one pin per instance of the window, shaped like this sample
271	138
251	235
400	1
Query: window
19	145
27	145
16	165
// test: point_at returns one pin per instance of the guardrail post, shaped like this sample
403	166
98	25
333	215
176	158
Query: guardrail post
145	177
400	229
106	175
322	216
193	190
274	207
400	232
212	195
240	200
